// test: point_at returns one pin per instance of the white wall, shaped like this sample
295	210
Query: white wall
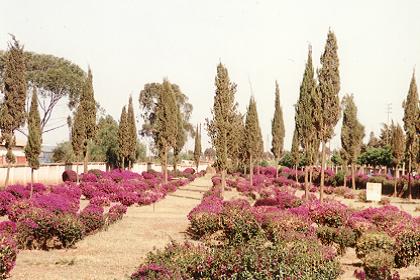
51	173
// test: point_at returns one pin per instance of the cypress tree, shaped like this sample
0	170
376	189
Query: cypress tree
235	142
12	111
295	153
253	138
181	136
397	147
277	128
411	119
166	125
306	115
219	126
123	138
132	133
352	133
88	106
78	136
33	147
329	109
197	147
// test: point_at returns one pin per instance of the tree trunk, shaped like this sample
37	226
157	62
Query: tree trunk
164	165
310	174
306	184
175	163
409	178
32	183
345	175
129	164
353	177
223	181
123	163
296	174
77	173
277	168
6	182
251	172
403	168
396	180
85	162
321	188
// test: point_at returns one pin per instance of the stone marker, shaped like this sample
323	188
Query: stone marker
373	191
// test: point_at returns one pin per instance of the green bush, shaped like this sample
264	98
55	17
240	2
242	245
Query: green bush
378	265
204	224
372	242
407	248
338	179
257	259
342	237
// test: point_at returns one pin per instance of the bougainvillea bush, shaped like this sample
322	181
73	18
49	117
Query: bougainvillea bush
52	217
280	235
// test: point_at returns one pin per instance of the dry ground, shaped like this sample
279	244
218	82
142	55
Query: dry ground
115	253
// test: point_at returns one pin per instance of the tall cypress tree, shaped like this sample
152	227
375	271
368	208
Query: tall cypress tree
397	147
197	147
12	112
352	133
78	136
181	136
235	141
166	125
277	128
253	138
33	147
132	133
411	118
219	126
88	106
123	139
295	153
306	116
329	87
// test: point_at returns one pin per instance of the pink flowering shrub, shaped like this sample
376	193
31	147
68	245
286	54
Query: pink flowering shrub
19	191
92	218
6	198
116	213
8	252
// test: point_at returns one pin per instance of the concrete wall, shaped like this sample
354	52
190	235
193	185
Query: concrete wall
51	173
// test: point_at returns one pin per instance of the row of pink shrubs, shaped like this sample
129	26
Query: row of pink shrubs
52	217
389	237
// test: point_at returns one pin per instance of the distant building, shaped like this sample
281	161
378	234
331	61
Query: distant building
18	151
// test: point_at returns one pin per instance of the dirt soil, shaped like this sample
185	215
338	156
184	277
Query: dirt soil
117	252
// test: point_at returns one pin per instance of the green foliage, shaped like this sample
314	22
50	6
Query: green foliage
33	147
407	248
411	122
343	237
397	144
374	241
166	123
223	112
288	160
123	141
277	127
12	111
197	147
377	265
352	132
105	146
54	78
63	153
84	124
253	143
132	132
376	157
306	112
336	158
329	87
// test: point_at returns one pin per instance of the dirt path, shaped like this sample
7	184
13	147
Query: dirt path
115	253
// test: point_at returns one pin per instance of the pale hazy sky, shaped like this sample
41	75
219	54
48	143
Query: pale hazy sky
130	43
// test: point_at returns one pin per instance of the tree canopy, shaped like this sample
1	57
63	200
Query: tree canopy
277	126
